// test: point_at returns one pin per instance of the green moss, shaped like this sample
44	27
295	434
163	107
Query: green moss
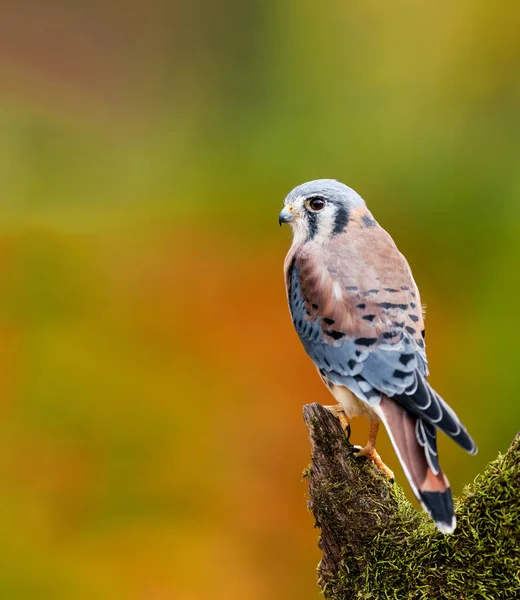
409	558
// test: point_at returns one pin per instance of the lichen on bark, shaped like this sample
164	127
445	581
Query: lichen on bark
376	545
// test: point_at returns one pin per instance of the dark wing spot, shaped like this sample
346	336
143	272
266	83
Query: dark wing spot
389	305
391	290
368	221
329	321
358	353
405	288
399	324
410	330
412	305
351	288
332	271
420	343
351	363
372	291
361	305
389	334
400	374
299	324
413	294
334	334
414	318
327	363
364	341
369	317
315	306
406	358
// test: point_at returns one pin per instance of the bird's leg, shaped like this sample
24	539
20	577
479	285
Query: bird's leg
370	452
339	412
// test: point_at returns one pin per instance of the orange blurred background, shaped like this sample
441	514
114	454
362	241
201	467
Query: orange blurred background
152	443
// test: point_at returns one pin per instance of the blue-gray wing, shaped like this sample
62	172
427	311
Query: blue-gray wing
367	335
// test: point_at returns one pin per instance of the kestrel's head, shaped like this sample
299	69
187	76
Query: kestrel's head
319	209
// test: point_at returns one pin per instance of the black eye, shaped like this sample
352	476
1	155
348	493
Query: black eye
317	203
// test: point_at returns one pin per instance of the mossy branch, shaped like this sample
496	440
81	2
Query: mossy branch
376	545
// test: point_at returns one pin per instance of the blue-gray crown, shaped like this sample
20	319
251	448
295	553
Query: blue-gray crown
330	189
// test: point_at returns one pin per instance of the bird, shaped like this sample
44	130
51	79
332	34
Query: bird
357	310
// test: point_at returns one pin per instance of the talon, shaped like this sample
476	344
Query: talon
339	413
371	453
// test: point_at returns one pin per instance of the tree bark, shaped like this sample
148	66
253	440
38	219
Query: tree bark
376	545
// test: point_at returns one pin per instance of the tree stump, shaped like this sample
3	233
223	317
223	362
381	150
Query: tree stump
376	545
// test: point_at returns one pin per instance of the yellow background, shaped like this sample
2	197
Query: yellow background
151	445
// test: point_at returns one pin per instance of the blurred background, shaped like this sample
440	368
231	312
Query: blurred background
152	445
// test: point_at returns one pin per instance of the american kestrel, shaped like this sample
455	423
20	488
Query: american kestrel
357	310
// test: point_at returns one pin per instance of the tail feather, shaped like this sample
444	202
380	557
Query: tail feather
427	405
439	505
428	482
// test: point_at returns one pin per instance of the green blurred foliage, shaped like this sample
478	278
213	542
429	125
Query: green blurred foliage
152	442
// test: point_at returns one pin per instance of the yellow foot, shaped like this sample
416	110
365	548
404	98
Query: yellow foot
371	453
338	411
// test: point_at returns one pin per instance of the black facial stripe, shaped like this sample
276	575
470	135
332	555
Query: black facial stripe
340	219
313	224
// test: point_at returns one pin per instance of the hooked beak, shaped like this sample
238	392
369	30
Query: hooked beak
286	216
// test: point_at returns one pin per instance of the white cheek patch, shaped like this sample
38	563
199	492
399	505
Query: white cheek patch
300	230
326	223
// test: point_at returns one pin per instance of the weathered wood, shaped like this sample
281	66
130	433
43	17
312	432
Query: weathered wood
376	545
